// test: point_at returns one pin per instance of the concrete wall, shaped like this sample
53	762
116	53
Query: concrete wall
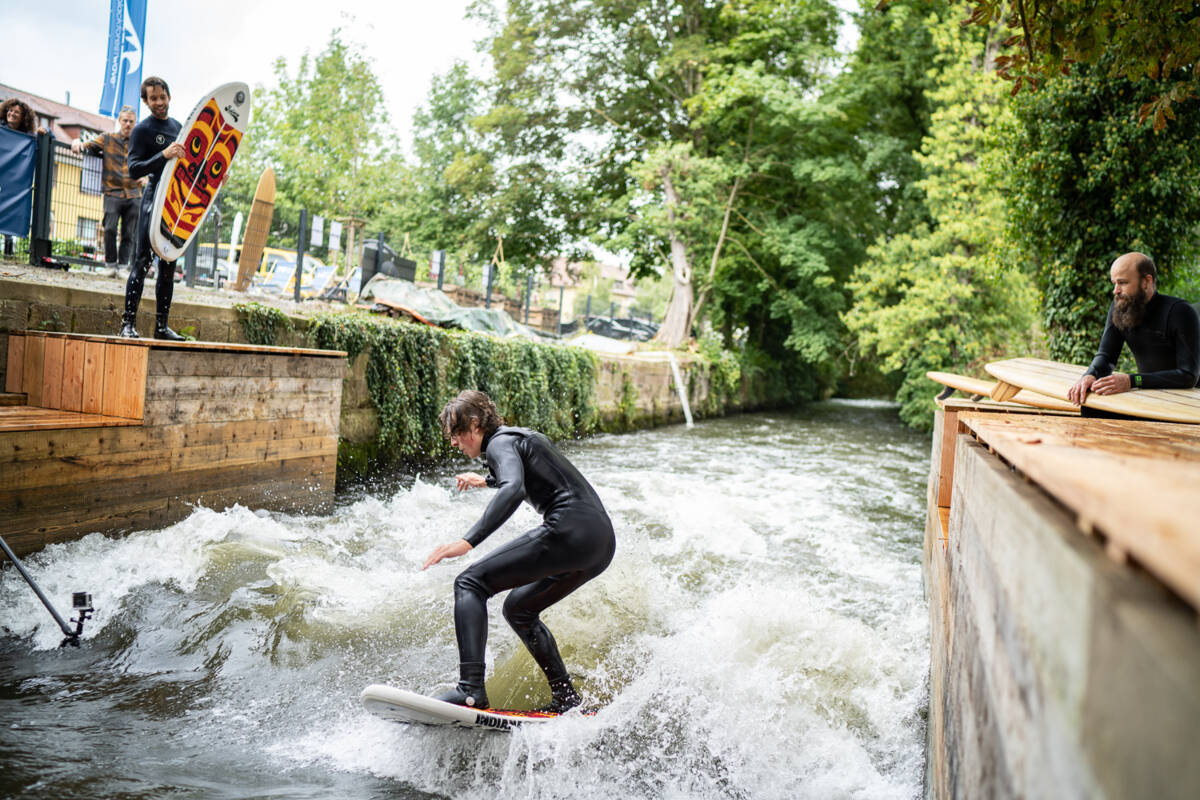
1054	671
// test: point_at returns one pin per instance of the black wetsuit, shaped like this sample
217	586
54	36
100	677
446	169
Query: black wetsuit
574	544
1166	346
146	143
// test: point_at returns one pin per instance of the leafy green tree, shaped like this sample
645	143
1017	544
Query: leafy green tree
944	296
325	132
1089	185
703	151
1151	40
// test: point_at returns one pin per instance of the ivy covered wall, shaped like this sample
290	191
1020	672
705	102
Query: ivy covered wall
401	374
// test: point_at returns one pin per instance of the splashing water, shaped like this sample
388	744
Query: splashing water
761	633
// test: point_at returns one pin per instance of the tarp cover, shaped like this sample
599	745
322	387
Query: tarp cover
434	306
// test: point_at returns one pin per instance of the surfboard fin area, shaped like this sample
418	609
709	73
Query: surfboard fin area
400	705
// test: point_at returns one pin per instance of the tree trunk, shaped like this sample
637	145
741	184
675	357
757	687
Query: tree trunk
674	329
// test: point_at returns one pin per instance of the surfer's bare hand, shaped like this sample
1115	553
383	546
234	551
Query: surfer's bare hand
1078	392
1113	384
173	150
470	480
458	547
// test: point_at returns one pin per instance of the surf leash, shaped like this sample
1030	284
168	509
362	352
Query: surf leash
82	601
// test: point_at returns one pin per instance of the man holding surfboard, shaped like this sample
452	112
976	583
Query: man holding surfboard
1163	333
151	145
574	544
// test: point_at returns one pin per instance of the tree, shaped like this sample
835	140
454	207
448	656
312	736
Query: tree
678	116
1153	40
325	132
945	296
1088	186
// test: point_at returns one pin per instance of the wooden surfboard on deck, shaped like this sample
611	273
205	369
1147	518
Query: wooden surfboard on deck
257	228
978	386
1054	378
189	185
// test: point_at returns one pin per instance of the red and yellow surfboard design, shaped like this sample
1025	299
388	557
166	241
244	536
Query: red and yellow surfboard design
189	186
199	175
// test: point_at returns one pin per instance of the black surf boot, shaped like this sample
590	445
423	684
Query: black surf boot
564	697
470	691
127	330
161	331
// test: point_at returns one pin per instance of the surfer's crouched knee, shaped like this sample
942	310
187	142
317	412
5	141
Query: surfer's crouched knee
519	618
468	583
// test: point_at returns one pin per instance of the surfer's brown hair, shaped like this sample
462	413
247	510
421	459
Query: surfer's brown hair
470	406
154	80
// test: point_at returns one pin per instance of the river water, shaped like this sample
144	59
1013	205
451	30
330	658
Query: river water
761	633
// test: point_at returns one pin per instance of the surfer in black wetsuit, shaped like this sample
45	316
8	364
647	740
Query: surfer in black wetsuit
1163	333
574	544
151	144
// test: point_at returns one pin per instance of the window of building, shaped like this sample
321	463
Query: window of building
85	229
90	176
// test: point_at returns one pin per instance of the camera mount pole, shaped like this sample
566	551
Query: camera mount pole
72	636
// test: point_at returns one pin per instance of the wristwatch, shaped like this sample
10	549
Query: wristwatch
1137	380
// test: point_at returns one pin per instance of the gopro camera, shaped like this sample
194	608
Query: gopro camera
81	600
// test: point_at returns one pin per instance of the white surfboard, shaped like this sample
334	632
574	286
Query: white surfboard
400	705
189	185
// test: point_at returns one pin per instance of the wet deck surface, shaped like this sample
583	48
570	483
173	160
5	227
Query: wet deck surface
1134	483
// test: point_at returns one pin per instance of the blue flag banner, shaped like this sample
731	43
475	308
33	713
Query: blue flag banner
17	152
123	64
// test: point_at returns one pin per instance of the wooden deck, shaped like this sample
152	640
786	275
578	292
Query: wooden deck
1135	484
119	434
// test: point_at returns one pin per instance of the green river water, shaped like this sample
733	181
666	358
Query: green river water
761	633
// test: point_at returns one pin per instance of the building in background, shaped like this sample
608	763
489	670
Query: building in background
606	283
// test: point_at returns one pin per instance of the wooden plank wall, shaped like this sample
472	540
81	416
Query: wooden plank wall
92	375
218	428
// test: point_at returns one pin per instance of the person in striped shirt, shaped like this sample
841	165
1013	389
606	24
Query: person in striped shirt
122	194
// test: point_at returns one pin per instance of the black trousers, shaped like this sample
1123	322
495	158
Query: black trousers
164	286
541	567
125	212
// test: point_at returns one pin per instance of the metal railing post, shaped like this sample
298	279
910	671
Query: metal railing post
300	253
43	190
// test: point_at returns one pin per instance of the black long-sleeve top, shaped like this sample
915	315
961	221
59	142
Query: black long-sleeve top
1166	346
524	465
146	143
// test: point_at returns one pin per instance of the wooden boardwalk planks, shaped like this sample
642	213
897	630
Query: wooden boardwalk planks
145	431
1134	482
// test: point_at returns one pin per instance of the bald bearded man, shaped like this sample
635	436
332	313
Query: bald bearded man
1162	332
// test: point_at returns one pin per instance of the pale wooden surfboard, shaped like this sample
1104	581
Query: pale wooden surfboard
189	185
257	228
978	386
1054	378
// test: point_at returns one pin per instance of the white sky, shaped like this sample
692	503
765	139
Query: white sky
51	48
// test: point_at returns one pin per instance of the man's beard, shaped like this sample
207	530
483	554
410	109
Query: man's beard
1128	312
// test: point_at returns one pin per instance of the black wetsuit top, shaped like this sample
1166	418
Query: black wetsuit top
524	465
1166	346
146	143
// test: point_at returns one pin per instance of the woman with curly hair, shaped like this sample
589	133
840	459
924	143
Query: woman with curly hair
17	115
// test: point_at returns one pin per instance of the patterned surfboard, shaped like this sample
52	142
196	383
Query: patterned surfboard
189	185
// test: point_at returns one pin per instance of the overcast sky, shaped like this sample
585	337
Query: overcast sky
52	48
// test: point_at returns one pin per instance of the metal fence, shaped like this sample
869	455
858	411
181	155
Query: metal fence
66	227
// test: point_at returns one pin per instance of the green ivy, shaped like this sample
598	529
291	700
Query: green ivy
262	324
413	370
